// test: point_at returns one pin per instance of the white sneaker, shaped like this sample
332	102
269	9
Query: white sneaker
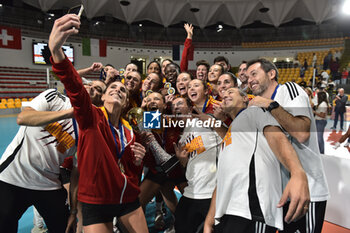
347	144
37	229
159	222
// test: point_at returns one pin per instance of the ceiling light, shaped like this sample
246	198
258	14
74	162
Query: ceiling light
264	9
194	9
0	5
219	28
346	7
52	15
124	2
140	25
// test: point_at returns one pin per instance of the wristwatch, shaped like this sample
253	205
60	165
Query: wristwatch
272	106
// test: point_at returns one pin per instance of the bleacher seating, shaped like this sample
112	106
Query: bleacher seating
12	103
319	54
294	43
18	84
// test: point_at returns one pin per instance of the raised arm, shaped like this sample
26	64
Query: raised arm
96	66
297	188
187	46
31	117
64	27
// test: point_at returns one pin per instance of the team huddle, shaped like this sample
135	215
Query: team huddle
259	170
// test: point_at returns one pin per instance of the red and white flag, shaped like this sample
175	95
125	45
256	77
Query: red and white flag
10	38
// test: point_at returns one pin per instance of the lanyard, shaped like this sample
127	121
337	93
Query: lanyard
121	138
205	105
103	75
75	131
274	93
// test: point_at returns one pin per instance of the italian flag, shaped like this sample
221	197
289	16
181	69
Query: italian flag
94	47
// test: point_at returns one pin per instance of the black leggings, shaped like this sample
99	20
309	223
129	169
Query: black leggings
51	205
190	214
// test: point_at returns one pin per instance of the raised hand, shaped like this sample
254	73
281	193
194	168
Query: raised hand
219	113
169	98
189	30
96	66
63	27
181	154
200	115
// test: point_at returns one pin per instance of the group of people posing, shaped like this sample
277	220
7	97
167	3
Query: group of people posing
260	170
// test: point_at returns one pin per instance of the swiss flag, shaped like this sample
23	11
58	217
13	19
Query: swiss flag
10	38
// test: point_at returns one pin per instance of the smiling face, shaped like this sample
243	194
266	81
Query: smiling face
133	82
224	64
171	74
182	83
242	70
155	101
224	82
153	67
151	82
180	106
196	91
214	73
232	99
95	90
116	94
202	73
258	80
164	64
130	68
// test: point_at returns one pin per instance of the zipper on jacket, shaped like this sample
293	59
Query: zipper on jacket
125	183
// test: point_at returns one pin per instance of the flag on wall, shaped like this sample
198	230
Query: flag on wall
177	52
94	47
10	38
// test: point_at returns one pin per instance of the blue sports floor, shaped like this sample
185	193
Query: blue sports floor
8	129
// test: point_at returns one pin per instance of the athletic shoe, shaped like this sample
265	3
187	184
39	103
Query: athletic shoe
170	229
159	223
37	229
333	128
347	144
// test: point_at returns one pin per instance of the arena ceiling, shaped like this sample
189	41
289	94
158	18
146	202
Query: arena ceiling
202	13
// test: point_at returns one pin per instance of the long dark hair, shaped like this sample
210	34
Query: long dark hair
321	97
